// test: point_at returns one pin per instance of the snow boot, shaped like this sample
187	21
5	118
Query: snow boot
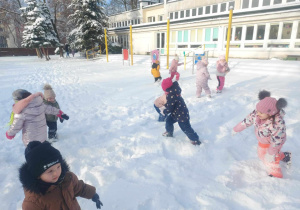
197	142
167	134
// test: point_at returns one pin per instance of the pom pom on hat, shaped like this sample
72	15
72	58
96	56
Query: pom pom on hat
269	105
48	92
20	94
281	103
41	156
262	94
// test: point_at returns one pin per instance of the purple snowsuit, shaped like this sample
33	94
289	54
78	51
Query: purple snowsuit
202	77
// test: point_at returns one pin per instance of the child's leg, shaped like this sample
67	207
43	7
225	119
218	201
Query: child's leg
199	90
52	129
188	130
206	88
161	117
222	82
170	124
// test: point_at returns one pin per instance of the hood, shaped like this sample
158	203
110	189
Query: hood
35	107
174	89
33	184
174	65
201	65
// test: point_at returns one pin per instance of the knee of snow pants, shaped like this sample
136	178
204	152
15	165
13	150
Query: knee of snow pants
188	130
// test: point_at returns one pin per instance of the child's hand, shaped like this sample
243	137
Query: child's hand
96	199
162	110
61	120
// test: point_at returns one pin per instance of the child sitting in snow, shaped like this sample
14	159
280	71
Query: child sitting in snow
202	78
222	70
270	132
155	71
158	103
178	111
29	116
48	183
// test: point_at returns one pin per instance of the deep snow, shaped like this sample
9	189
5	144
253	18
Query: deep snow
113	140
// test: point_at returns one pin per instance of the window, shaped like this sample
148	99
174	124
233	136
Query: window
199	35
274	32
231	4
238	33
227	33
171	16
223	7
181	14
158	41
150	19
176	15
255	3
249	32
298	32
193	36
160	17
215	8
207	34
200	11
207	10
260	32
185	35
277	1
194	12
215	34
179	37
187	13
245	4
290	0
286	30
266	2
139	21
173	36
162	40
135	21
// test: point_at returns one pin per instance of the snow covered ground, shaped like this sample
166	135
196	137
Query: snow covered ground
113	139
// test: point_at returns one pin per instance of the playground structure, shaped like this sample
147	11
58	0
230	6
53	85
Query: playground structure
93	53
195	55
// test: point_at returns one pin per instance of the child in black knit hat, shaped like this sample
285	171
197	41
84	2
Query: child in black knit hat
48	183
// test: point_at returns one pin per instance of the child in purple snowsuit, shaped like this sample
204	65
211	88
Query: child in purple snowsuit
202	78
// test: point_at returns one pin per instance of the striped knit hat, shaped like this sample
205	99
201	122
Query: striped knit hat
269	105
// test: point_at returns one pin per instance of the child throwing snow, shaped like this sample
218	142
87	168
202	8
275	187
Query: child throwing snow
270	132
29	116
155	71
174	65
178	111
158	103
222	70
51	120
202	78
48	183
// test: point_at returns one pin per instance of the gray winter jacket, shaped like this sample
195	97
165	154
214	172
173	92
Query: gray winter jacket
32	121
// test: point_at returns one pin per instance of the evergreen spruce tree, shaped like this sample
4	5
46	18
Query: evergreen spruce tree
89	21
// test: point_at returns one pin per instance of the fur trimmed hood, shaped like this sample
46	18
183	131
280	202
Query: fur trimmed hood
35	185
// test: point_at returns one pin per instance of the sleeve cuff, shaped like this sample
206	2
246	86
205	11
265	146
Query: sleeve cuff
9	137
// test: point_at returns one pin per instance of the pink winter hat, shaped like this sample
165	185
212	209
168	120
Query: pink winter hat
222	57
166	83
269	105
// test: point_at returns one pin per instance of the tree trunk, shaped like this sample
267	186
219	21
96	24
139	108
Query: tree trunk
45	53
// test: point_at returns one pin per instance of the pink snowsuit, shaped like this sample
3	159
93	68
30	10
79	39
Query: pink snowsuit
222	68
174	66
271	135
202	77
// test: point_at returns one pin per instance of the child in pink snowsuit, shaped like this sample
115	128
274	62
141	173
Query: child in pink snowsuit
174	65
202	78
270	132
222	70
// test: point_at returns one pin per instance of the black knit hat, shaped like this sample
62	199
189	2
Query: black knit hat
20	94
41	156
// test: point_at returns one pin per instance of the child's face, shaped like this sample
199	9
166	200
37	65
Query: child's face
262	116
52	174
51	99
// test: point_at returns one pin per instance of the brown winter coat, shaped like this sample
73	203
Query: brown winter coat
32	121
59	197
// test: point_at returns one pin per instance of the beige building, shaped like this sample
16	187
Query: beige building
260	28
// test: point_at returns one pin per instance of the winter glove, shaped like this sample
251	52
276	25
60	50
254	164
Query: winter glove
61	120
233	132
96	199
162	110
61	115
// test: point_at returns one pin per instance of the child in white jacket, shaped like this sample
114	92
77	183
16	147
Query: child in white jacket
202	78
